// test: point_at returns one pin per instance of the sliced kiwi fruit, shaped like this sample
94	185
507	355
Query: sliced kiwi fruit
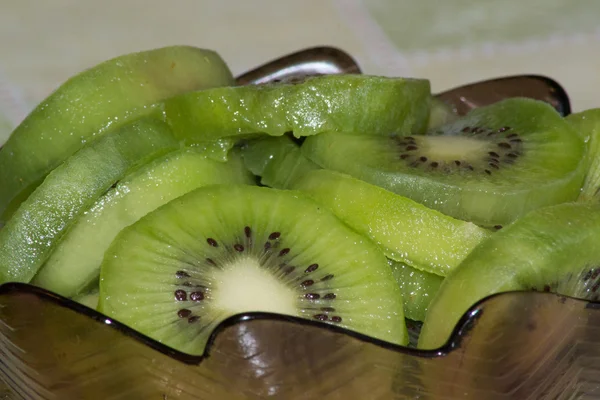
38	224
418	288
587	124
553	249
440	114
277	160
258	153
95	101
489	167
222	250
75	261
89	298
404	229
343	103
284	172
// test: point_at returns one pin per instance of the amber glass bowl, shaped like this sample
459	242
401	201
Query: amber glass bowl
519	345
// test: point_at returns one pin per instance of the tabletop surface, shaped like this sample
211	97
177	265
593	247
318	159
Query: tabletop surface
450	43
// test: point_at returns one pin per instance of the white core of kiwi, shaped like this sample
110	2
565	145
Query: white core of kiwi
449	148
268	294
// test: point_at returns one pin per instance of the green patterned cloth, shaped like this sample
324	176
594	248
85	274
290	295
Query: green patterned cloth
450	42
430	25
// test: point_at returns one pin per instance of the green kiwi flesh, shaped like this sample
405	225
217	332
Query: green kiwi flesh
89	298
284	172
222	250
30	235
418	289
440	114
551	249
260	152
277	160
75	261
95	101
405	230
343	103
489	167
587	124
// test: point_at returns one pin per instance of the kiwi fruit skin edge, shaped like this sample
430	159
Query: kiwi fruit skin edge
552	249
314	267
95	101
75	261
30	235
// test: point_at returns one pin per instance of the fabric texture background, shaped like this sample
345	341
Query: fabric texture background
451	42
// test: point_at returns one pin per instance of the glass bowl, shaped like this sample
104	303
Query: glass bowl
518	345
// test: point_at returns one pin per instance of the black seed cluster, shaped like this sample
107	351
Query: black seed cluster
325	315
587	285
271	253
306	283
545	288
192	292
508	150
592	275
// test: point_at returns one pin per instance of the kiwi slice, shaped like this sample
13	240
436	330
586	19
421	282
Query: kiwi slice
75	262
489	167
440	114
587	124
89	298
34	230
260	152
221	250
404	229
277	160
95	101
284	172
552	249
418	288
347	103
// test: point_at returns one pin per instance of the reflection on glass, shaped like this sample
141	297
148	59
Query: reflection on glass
510	346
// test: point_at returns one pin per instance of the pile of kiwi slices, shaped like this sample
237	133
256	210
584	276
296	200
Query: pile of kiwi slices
153	188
